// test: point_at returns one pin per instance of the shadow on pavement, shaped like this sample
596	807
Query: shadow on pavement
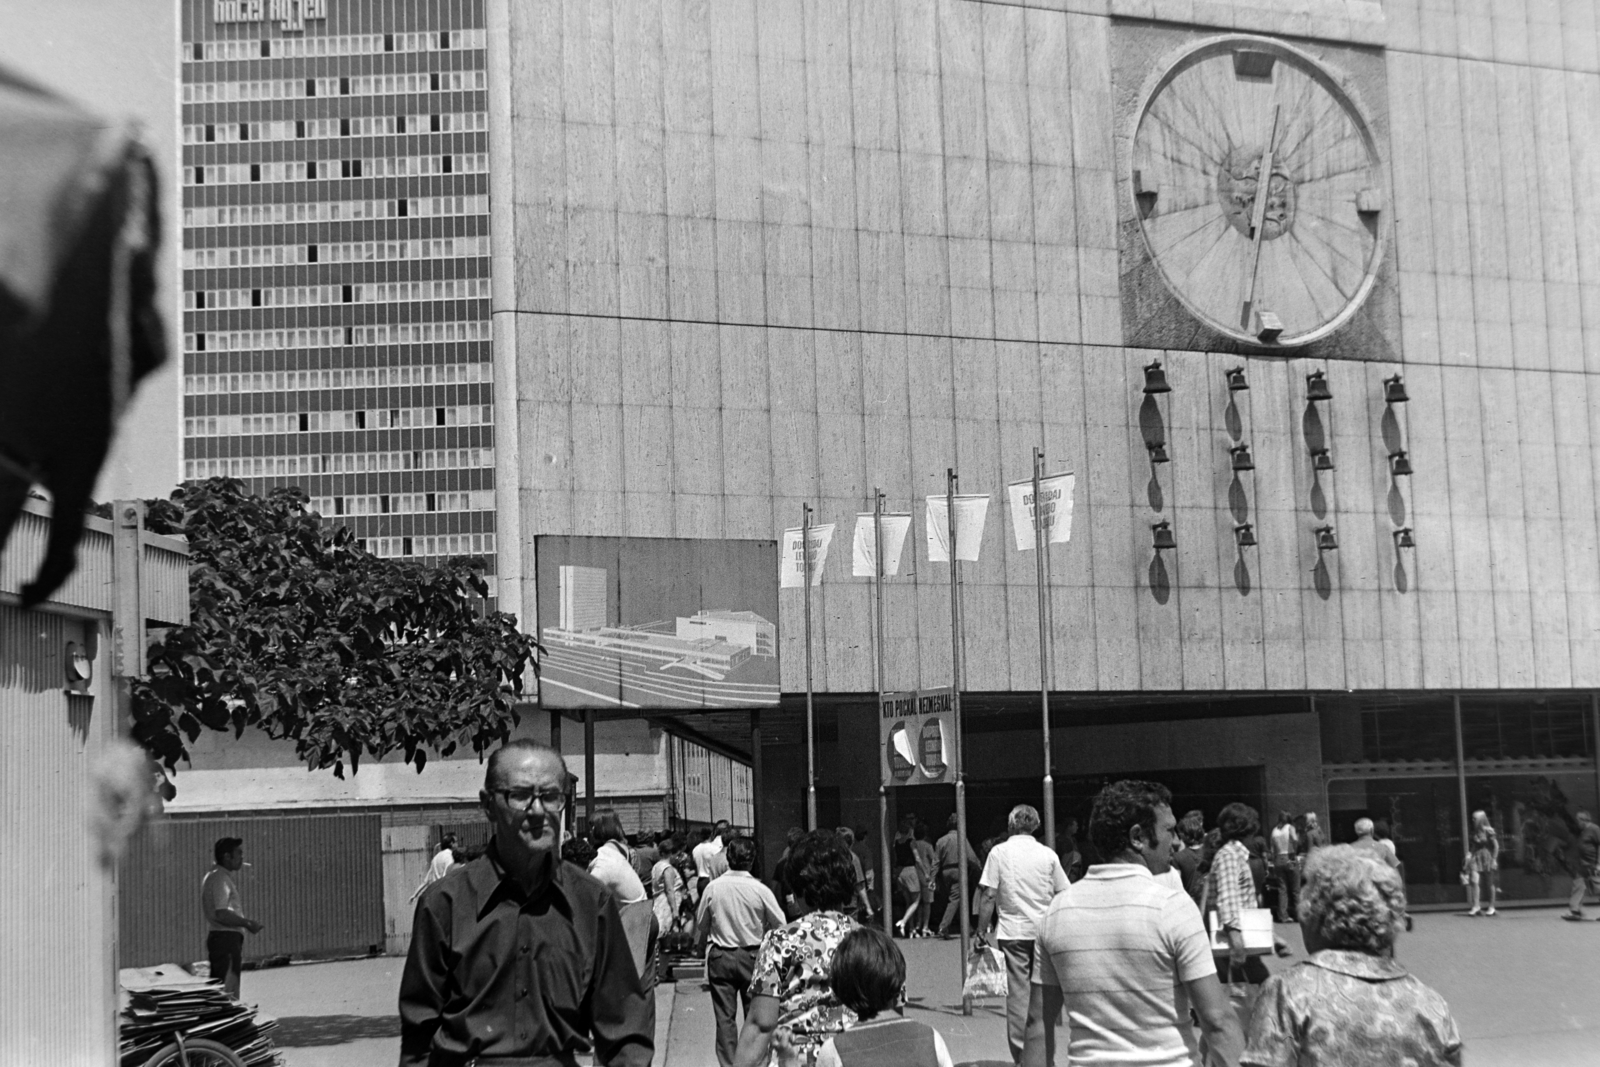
305	1031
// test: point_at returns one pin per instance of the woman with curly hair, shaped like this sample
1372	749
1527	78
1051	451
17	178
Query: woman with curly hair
1350	1004
792	1004
1233	889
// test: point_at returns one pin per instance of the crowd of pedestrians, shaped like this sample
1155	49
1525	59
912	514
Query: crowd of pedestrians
1141	941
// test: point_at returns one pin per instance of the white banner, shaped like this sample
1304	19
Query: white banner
792	565
1055	491
971	510
864	557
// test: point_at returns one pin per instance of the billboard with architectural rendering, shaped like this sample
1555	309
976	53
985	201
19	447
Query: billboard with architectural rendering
643	622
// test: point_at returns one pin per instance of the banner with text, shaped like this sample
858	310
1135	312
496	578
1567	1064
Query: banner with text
971	510
917	737
864	557
1055	512
792	565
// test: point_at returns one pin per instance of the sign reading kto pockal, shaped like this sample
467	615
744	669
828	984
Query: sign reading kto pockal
916	734
288	14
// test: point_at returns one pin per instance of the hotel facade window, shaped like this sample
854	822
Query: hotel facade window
336	270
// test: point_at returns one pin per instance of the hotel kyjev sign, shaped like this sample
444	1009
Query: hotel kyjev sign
290	15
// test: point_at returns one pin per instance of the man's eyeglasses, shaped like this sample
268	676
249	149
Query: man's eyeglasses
522	799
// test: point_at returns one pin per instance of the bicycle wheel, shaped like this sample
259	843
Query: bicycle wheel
196	1052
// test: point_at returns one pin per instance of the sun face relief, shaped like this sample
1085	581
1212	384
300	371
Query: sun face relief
1259	191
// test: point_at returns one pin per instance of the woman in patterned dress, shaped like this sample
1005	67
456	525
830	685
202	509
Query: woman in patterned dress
1350	1004
1483	864
792	1004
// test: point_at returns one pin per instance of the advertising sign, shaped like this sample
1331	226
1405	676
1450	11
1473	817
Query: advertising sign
864	552
917	737
290	15
971	510
646	622
1055	511
792	565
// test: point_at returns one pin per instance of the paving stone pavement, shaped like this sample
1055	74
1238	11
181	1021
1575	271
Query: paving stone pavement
1524	988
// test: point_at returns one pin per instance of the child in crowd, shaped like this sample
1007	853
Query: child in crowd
869	978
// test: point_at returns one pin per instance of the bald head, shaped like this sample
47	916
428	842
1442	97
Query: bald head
515	751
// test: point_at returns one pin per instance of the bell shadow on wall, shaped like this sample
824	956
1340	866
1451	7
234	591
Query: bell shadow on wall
1317	444
1160	581
1402	580
1233	420
1392	444
1321	580
1241	575
1154	432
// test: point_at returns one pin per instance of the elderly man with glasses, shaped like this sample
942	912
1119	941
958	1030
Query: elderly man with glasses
517	957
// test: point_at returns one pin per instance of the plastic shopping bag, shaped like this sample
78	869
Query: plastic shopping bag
986	972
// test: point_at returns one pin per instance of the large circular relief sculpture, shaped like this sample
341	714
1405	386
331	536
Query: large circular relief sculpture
1259	191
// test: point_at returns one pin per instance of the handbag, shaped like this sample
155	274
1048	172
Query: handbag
1256	926
986	973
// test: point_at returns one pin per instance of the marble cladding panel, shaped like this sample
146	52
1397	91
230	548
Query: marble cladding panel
914	166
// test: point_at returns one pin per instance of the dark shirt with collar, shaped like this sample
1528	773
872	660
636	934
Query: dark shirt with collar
494	973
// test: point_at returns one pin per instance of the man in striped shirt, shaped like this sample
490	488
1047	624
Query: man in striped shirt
1127	956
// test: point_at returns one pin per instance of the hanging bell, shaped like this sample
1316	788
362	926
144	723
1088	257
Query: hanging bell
1158	452
1245	534
1155	379
1403	538
1241	458
1317	387
1399	463
1326	542
1236	380
1162	535
1321	460
1394	390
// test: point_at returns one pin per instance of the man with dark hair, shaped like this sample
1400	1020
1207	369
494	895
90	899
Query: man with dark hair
520	957
951	851
736	911
707	865
1285	866
224	914
444	860
1125	955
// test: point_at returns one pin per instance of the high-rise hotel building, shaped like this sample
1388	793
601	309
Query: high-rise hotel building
336	269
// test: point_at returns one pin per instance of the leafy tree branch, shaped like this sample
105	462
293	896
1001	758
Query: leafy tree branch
297	630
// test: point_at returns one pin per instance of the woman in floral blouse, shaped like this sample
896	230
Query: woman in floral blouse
1350	1004
791	996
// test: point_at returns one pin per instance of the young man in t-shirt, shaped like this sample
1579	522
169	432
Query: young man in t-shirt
1127	956
224	915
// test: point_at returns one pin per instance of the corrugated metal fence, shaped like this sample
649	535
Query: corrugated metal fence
315	880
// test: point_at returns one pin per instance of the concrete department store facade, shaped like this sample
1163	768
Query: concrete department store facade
754	254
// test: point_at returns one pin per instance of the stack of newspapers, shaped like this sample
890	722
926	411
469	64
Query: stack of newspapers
158	1003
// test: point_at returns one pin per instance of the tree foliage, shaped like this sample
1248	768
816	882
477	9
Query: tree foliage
298	630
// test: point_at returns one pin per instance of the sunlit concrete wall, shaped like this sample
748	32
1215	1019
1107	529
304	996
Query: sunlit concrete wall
758	253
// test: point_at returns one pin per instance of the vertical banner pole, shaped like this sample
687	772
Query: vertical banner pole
1040	547
955	704
811	743
588	764
886	889
1461	779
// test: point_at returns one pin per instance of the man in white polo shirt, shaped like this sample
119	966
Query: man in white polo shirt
1126	955
1020	878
